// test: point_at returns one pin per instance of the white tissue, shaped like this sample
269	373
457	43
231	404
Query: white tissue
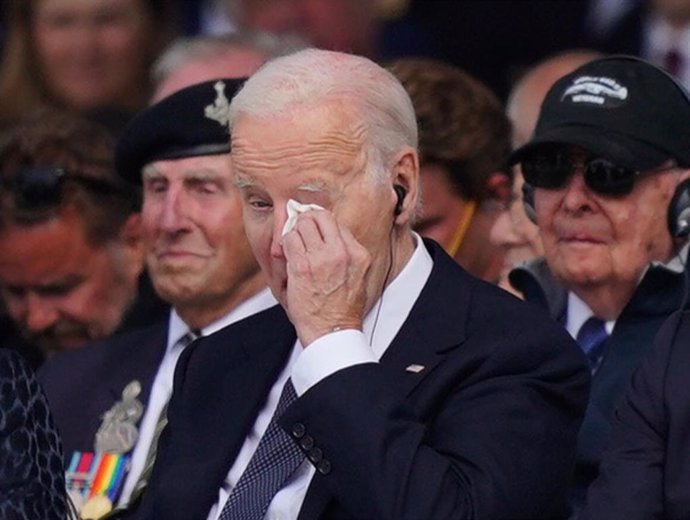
294	208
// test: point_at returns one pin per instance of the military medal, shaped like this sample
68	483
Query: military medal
94	481
118	432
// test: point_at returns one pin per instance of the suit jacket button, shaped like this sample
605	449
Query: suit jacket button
323	467
315	455
298	430
307	442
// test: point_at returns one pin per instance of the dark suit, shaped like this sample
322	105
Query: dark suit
645	473
486	430
658	294
81	385
32	483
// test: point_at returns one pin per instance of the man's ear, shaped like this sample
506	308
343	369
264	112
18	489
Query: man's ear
406	177
132	243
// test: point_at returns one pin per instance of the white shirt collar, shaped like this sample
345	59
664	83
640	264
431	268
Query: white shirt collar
397	300
257	303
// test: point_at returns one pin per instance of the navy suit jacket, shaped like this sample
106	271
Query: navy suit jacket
486	430
81	385
645	473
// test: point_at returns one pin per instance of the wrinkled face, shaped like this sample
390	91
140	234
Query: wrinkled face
593	240
321	160
60	290
196	249
444	214
514	232
93	52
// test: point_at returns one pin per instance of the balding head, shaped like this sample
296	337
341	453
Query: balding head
528	93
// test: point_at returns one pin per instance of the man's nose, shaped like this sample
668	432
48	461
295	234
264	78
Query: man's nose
279	219
577	194
503	231
173	214
40	313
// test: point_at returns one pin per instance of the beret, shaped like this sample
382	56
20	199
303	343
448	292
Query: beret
191	122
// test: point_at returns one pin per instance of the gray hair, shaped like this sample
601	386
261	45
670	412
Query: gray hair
189	49
311	77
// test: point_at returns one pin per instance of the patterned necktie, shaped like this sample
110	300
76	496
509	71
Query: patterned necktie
275	459
592	337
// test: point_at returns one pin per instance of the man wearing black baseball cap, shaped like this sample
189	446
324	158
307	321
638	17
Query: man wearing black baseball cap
606	174
199	261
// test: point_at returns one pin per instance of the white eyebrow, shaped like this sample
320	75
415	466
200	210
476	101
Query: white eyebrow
242	182
313	187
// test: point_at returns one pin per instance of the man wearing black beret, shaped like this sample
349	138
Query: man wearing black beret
199	261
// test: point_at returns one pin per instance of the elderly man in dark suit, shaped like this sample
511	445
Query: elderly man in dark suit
607	171
112	397
389	383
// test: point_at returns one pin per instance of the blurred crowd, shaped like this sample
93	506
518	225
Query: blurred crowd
107	105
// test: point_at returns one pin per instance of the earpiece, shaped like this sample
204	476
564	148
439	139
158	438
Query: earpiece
401	194
679	211
528	202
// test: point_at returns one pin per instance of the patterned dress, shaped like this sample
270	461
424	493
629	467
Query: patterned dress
32	485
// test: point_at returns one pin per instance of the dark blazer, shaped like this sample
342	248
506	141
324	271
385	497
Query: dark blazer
81	385
32	483
645	473
486	430
656	297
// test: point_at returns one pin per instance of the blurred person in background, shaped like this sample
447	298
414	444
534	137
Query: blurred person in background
32	484
513	230
202	58
71	255
86	56
464	143
656	30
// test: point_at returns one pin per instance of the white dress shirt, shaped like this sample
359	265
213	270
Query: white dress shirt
578	313
326	355
163	382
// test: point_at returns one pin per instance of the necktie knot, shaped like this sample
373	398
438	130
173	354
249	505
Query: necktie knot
591	337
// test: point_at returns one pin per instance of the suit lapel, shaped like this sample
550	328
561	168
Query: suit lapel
232	370
140	364
430	332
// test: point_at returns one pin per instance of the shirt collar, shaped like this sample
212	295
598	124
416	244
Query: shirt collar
177	328
391	310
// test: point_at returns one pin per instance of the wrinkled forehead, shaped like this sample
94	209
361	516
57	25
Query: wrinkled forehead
324	136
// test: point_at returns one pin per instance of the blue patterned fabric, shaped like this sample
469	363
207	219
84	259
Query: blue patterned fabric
32	485
275	459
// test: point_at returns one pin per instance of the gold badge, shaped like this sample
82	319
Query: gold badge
96	507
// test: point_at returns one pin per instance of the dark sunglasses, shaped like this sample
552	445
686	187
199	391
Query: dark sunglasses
41	187
552	169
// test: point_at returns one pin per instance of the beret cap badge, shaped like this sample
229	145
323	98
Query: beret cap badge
219	110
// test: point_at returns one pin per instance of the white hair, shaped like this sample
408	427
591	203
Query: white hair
312	77
191	49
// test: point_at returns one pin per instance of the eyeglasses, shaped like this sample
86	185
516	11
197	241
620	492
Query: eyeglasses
551	170
41	187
